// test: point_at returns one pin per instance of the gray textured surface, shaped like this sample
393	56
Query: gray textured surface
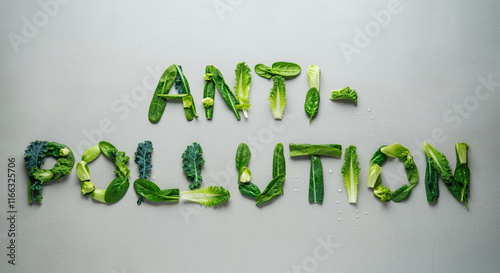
98	61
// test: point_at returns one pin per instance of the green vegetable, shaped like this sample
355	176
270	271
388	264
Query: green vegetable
158	104
98	195
402	193
284	69
373	175
315	149
182	87
313	75
316	180
242	87
245	175
82	171
350	171
143	157
249	189
431	181
91	154
34	155
379	157
242	159
398	151
440	163
192	161
461	152
116	190
345	94
153	193
277	97
173	96
381	192
224	89
279	164
311	105
209	196
208	94
462	172
273	189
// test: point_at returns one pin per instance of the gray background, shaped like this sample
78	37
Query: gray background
77	65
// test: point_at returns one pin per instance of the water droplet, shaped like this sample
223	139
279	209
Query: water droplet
339	212
357	211
366	212
359	134
295	176
338	202
371	117
357	216
368	110
359	113
348	138
340	190
339	219
296	190
330	170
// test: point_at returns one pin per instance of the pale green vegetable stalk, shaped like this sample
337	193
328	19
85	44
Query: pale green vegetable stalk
313	74
209	196
277	97
350	171
242	87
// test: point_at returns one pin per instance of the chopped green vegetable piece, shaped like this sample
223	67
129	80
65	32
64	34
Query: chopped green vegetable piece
91	154
316	187
249	189
158	104
440	163
116	190
192	161
311	106
242	87
313	75
279	164
153	193
373	175
345	94
208	94
224	90
381	192
431	181
273	189
277	97
402	193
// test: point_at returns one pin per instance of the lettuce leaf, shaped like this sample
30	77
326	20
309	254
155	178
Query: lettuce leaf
277	97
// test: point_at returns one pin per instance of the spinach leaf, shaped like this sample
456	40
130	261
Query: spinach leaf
431	181
263	71
116	190
108	149
273	189
315	149
249	189
152	192
379	157
462	176
242	159
182	86
224	90
316	180
311	105
208	95
279	164
158	104
402	193
285	69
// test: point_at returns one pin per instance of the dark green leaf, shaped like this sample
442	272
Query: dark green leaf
315	149
462	176
311	105
182	86
379	157
157	106
152	192
273	189
209	92
279	164
285	69
116	189
225	91
242	159
402	193
143	157
249	189
431	181
108	149
263	71
316	180
192	161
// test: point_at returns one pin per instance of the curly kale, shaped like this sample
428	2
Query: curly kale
192	161
33	157
143	157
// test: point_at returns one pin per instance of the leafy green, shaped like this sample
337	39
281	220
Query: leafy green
279	164
273	189
315	149
242	87
461	152
431	181
120	161
182	87
398	151
381	192
249	189
311	105
107	149
192	161
82	171
143	157
313	75
208	94
442	166
224	89
91	153
284	69
242	159
245	175
462	171
379	157
316	180
158	104
277	97
116	190
350	171
402	193
345	94
373	174
99	195
209	196
153	193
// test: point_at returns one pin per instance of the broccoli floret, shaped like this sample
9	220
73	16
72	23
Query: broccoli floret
382	193
345	94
